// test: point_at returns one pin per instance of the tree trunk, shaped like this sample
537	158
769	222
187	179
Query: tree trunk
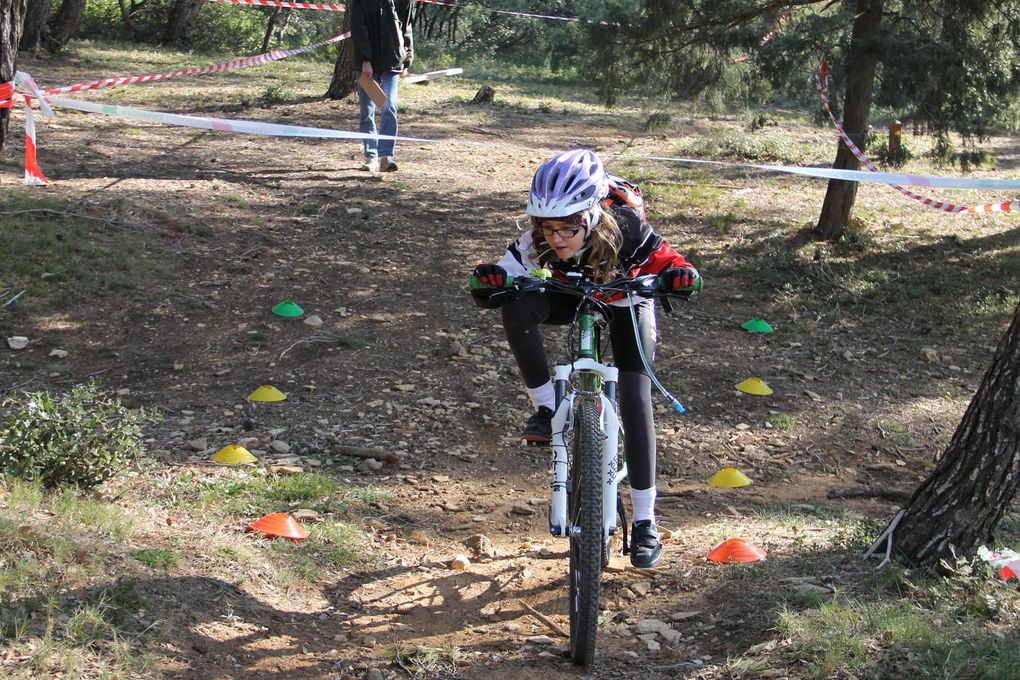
274	16
278	20
36	14
861	59
127	13
182	21
344	77
12	13
972	486
62	27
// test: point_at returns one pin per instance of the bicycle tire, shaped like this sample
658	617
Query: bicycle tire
586	544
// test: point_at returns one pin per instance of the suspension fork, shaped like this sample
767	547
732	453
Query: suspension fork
562	424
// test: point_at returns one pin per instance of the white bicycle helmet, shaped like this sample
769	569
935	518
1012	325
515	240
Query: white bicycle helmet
568	183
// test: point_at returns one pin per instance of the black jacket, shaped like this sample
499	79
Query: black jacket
381	30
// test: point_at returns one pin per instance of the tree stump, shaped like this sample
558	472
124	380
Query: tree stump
485	95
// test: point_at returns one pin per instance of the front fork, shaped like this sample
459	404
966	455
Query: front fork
562	422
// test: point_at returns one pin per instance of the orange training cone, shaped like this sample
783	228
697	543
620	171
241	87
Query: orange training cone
280	524
736	550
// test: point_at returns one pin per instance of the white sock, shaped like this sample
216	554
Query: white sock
543	396
643	502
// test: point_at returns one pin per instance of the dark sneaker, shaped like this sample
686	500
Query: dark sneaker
539	428
645	546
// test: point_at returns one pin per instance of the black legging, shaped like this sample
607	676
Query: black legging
521	318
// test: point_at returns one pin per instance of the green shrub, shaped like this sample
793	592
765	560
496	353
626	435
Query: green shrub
80	438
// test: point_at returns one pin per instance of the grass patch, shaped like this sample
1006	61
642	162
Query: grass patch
781	421
258	495
156	558
422	661
104	518
61	259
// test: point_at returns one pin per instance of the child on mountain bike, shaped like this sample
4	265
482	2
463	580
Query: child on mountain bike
577	229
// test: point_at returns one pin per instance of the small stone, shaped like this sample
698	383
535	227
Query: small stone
286	470
354	211
539	640
59	354
369	465
374	674
198	444
480	546
314	320
460	563
642	588
930	355
17	342
124	391
645	626
405	387
279	446
306	515
522	509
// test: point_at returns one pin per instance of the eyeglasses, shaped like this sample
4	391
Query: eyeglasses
550	228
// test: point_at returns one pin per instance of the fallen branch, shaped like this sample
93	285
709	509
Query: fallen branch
549	623
11	301
869	492
363	452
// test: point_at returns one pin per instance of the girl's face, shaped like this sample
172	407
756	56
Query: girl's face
565	235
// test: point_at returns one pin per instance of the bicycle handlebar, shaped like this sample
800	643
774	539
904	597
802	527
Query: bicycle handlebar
645	285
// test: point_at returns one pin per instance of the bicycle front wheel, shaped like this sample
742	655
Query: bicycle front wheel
586	545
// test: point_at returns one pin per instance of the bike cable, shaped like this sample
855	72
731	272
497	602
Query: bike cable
644	360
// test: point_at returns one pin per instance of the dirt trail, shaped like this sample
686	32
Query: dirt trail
405	362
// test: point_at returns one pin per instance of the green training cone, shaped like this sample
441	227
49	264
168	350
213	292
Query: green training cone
757	326
288	308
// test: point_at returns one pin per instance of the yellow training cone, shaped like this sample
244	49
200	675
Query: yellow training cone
755	386
233	455
729	478
267	393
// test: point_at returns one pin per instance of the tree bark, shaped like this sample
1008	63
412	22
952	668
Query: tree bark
344	77
12	13
274	18
182	21
62	27
959	506
37	13
861	60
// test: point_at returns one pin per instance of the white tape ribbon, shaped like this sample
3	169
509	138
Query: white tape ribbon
863	176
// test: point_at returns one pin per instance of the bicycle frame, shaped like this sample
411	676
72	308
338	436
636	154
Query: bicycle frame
598	381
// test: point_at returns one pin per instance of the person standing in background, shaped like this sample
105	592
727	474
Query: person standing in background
381	30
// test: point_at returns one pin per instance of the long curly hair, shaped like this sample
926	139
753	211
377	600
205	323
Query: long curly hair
603	243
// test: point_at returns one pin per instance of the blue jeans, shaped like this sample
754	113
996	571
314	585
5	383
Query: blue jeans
387	120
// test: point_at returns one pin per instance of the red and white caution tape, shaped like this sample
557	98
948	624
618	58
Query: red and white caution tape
33	173
432	75
284	3
890	178
6	95
515	14
232	65
1010	206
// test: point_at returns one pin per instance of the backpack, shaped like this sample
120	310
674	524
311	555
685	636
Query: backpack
622	192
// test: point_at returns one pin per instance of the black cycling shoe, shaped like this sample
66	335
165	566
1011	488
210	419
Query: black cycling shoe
645	546
538	431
